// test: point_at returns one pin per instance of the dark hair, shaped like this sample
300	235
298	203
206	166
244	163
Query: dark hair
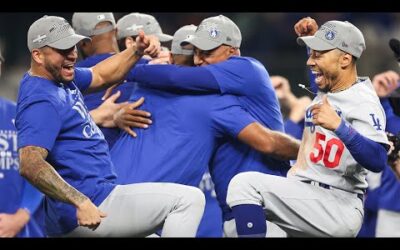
355	59
121	44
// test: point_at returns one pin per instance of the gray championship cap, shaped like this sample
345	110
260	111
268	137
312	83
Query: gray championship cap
85	23
180	35
129	25
52	31
336	35
215	31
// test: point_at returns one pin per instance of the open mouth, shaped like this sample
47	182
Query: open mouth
318	76
68	69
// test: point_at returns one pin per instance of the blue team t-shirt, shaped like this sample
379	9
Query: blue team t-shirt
53	116
179	144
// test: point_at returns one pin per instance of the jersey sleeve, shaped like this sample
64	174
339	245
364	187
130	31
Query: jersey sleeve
38	124
369	120
231	119
174	77
83	78
233	75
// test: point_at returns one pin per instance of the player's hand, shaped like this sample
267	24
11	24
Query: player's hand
12	224
385	83
306	27
89	215
324	115
163	58
148	44
129	117
104	114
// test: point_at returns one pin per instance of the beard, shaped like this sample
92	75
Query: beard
324	89
329	79
55	72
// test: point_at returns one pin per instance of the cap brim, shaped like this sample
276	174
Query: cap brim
68	42
201	43
314	43
164	37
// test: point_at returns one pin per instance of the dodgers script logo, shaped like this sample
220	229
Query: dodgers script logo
308	121
90	128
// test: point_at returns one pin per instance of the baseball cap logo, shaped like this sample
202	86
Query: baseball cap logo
213	32
210	28
39	39
330	35
134	27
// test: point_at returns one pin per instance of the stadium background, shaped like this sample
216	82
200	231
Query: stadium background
268	37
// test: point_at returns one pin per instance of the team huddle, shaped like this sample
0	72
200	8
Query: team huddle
117	143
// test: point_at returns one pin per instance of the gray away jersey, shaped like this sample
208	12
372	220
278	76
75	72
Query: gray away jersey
323	157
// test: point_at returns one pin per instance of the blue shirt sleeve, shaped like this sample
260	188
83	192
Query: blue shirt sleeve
231	120
34	126
175	77
237	76
31	198
83	78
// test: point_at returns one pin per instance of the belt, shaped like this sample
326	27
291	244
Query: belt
326	186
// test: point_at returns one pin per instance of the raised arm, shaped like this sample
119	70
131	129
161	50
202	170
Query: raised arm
307	27
115	68
270	142
43	176
174	77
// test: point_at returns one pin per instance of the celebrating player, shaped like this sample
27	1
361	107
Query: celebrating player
343	136
64	154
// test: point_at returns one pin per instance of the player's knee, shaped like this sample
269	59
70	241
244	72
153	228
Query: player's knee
194	197
241	188
241	180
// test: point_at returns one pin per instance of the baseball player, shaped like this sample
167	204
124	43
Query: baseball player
217	41
185	132
21	213
64	154
129	27
323	192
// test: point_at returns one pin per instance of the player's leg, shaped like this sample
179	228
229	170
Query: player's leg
138	210
388	223
298	208
274	231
